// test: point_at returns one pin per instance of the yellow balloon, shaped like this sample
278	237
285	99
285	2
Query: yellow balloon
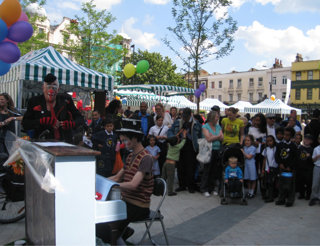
10	11
129	70
117	98
273	98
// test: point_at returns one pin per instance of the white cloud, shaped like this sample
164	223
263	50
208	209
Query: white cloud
148	20
70	5
103	4
284	44
145	39
160	2
54	18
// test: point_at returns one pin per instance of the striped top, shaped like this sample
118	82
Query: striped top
141	196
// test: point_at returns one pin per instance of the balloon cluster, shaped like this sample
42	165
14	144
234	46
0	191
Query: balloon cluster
142	67
14	28
202	88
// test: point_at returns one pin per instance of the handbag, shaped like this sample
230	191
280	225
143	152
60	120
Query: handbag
205	150
118	164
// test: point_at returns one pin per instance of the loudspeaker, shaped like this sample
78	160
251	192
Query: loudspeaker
100	101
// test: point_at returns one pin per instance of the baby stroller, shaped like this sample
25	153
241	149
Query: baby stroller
234	189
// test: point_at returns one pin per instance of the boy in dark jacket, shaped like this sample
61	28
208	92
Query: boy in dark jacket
105	141
286	156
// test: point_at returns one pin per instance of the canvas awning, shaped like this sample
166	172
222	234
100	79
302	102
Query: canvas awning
241	105
161	90
269	106
208	103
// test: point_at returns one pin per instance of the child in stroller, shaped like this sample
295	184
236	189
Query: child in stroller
233	176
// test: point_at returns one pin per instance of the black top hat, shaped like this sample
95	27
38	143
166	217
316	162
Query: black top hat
131	125
50	78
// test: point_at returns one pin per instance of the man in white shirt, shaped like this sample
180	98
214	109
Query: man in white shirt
271	128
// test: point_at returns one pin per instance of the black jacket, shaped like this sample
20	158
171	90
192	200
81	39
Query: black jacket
64	109
287	154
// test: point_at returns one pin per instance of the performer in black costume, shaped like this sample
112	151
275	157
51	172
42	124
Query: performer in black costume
52	115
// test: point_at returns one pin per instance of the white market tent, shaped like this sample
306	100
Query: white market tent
33	67
269	106
241	105
208	103
134	98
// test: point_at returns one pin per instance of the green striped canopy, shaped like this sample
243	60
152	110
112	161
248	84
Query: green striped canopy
36	64
161	90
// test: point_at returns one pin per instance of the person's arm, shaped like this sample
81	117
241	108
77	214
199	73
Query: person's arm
134	183
226	175
209	136
264	164
242	134
118	176
239	174
249	155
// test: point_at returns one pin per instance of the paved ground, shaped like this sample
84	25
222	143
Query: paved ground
192	219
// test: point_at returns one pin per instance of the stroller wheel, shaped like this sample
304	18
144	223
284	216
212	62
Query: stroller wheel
244	202
224	201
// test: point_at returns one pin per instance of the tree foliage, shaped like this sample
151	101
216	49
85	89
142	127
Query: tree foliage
161	71
94	46
203	34
38	39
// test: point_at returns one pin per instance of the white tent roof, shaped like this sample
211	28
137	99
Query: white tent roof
241	105
208	103
269	106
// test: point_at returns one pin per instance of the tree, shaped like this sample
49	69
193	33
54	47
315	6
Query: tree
93	46
161	71
203	34
38	39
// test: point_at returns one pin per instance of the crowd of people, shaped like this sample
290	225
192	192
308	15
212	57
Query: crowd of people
279	156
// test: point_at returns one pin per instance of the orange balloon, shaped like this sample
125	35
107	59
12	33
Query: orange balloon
10	11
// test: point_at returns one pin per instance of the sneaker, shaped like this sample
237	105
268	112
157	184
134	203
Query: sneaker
172	194
313	201
180	189
206	194
215	193
128	232
289	204
280	202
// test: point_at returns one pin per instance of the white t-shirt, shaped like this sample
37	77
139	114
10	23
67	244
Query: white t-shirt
270	154
255	132
271	130
154	131
316	152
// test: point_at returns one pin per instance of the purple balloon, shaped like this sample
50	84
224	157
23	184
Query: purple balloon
20	31
202	87
9	52
197	93
23	17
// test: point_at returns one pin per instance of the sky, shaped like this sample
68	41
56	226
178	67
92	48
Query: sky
267	29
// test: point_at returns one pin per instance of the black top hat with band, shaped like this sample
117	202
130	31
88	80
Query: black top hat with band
131	126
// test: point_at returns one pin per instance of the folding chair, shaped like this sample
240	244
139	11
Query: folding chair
160	189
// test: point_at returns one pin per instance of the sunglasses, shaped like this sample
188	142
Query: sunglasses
52	87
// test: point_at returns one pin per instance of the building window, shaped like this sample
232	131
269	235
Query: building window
309	94
284	80
231	84
319	93
212	96
298	94
239	97
283	96
251	97
260	95
260	81
298	75
212	85
41	30
231	97
220	98
220	84
251	82
274	80
239	83
310	75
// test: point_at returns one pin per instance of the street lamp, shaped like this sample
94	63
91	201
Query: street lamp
133	46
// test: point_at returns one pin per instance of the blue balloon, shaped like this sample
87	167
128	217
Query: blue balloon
197	93
20	31
4	68
3	30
